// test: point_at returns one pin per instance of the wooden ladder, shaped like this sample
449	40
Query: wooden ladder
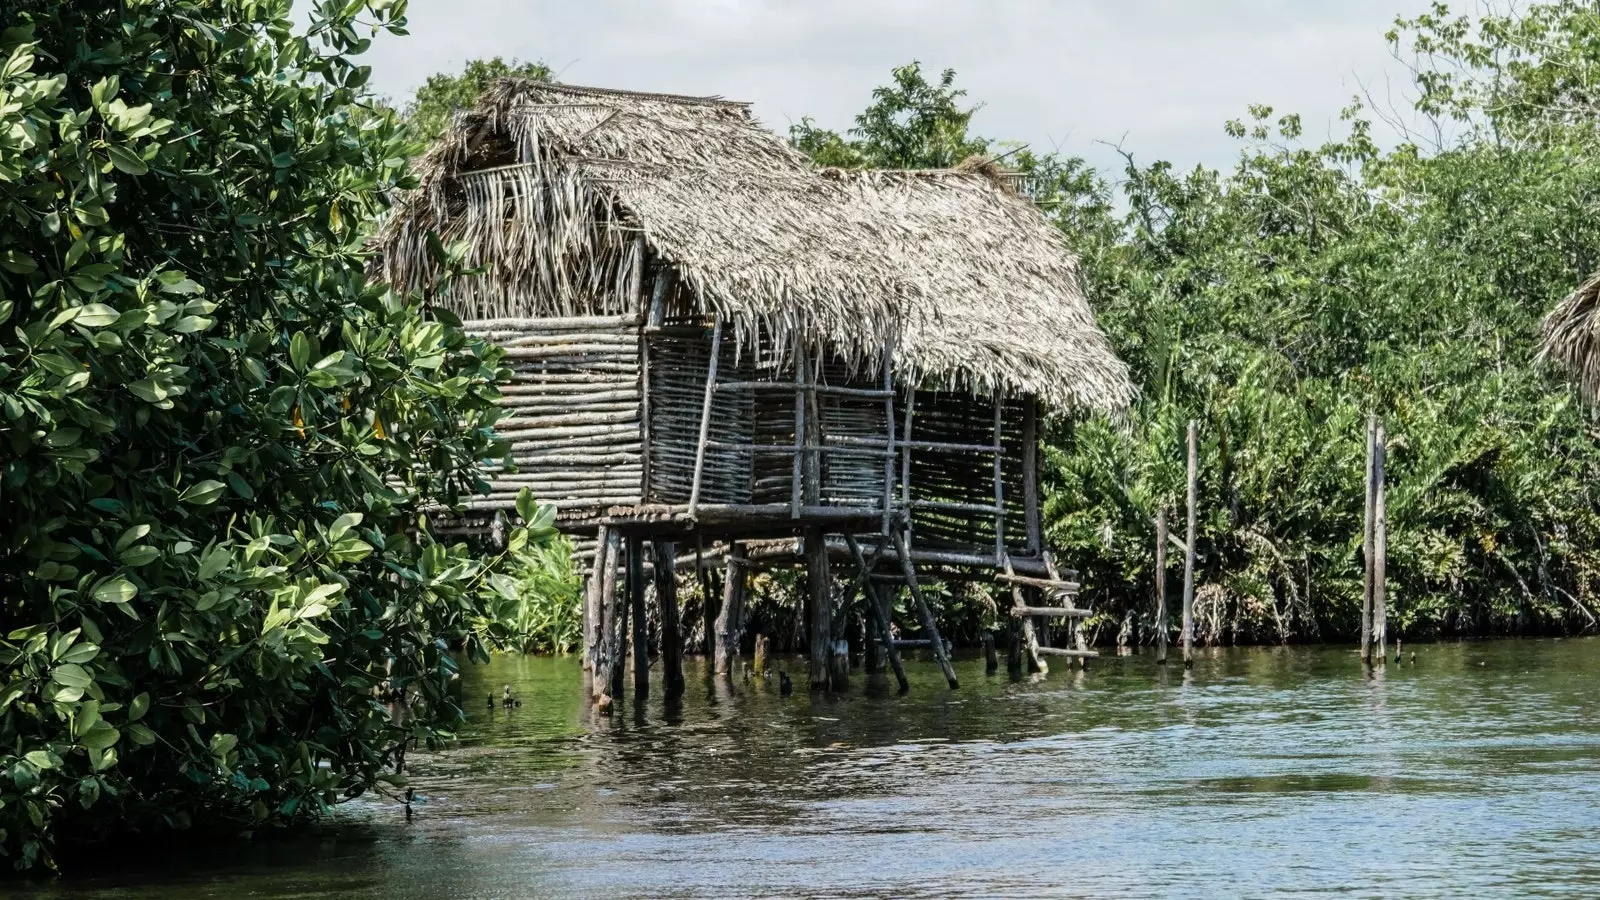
1060	593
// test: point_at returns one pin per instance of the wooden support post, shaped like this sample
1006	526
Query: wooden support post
1380	544
608	652
999	482
763	644
1188	555
730	621
903	547
1161	587
1014	641
991	660
798	484
905	448
1367	540
591	600
666	576
889	454
1030	475
617	620
705	416
641	623
839	665
708	604
819	628
877	615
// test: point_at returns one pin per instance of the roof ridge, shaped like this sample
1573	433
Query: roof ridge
586	90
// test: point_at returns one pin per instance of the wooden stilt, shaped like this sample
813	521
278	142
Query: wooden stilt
1188	554
666	577
730	620
903	546
1161	587
708	604
618	619
877	613
641	624
1367	540
607	676
819	631
1014	643
591	599
763	644
991	660
1380	544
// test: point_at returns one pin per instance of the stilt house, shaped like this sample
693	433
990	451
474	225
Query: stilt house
715	342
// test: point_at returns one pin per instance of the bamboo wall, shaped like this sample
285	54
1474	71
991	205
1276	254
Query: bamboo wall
574	412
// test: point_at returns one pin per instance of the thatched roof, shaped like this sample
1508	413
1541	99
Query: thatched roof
1572	336
549	183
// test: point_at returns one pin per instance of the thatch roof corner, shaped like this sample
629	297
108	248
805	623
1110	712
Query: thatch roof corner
1571	336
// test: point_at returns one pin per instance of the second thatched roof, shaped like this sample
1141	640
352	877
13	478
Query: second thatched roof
549	184
1572	336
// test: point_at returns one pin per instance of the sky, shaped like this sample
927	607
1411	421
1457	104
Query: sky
1158	77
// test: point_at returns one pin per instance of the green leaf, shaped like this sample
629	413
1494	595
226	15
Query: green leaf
130	536
527	507
96	315
101	736
71	675
139	556
126	160
81	653
342	525
115	590
299	351
139	706
202	494
141	734
41	759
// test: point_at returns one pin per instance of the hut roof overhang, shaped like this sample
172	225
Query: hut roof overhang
1572	336
967	281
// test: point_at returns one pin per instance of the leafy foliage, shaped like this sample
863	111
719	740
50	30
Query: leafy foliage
533	602
429	111
1282	302
218	434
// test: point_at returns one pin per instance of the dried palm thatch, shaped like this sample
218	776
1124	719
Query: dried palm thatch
549	184
1572	336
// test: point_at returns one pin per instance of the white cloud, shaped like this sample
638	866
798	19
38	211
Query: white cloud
1159	75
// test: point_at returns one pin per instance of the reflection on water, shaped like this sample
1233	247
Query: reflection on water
1267	771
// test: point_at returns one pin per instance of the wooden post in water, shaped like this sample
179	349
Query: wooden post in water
730	620
1380	544
666	574
1188	554
762	643
1161	586
617	618
877	611
607	648
991	660
1367	539
641	623
819	630
903	548
591	600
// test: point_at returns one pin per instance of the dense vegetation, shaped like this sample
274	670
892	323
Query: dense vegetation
1283	301
218	434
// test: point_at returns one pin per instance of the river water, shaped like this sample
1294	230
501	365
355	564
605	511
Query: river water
1474	771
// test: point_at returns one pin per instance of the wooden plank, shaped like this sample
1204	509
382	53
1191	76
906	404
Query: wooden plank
1071	654
1051	612
1032	519
876	613
1048	584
